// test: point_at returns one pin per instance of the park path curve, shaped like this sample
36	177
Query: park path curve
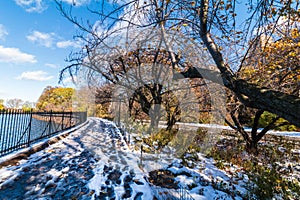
93	162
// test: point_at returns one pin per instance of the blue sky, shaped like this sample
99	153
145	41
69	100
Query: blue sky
35	40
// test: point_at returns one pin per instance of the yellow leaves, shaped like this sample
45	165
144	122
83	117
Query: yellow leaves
247	72
295	33
273	65
292	54
176	28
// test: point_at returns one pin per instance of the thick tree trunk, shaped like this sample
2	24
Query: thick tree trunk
155	116
281	104
172	117
284	105
251	147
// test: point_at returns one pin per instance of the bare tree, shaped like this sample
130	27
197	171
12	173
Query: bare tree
215	24
14	103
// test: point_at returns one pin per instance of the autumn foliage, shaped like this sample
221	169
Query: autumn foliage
56	99
276	64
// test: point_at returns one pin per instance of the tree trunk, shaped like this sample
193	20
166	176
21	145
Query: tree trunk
172	117
281	104
284	105
251	147
155	116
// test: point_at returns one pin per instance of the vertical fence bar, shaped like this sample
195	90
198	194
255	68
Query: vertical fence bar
70	119
20	126
27	127
29	130
16	128
1	130
13	130
5	129
11	138
62	121
8	129
6	125
50	123
15	124
23	125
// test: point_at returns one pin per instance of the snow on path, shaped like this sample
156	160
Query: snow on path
117	167
60	171
91	163
94	162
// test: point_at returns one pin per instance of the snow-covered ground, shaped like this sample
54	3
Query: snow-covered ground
95	162
91	163
281	133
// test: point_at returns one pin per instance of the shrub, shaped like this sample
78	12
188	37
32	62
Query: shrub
267	118
268	183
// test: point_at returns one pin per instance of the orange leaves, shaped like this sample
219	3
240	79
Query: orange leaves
295	33
274	64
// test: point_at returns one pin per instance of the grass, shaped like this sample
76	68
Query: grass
273	173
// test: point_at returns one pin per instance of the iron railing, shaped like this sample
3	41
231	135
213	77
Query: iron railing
171	194
19	129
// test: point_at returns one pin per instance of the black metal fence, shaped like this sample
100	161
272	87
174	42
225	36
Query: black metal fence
19	129
171	194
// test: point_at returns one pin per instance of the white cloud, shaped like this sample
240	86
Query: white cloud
32	5
40	5
52	65
68	43
44	39
77	2
35	75
14	55
49	39
3	32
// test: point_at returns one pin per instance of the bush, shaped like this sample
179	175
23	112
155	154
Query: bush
268	183
161	138
267	117
268	177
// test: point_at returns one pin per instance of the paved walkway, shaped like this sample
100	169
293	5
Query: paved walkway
91	163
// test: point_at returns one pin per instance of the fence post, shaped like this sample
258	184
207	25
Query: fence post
62	120
50	123
70	119
29	129
2	116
